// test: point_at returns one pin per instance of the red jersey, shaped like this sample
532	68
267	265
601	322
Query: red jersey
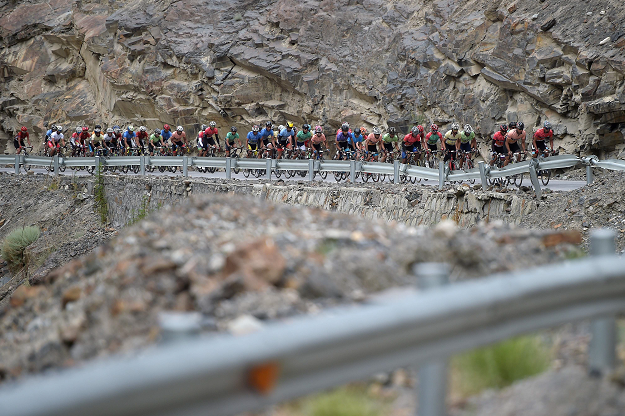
542	135
499	139
21	135
142	135
209	132
409	139
84	135
433	137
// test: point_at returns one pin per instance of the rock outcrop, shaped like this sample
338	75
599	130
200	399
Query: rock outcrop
369	62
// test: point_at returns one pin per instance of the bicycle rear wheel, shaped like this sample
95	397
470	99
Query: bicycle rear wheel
545	175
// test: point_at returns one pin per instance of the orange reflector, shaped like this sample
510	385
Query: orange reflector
263	377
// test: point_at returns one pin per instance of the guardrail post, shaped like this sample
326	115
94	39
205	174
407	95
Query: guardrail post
56	164
98	166
602	354
534	178
396	171
482	167
142	165
228	168
17	164
590	177
268	173
311	169
433	376
185	166
441	174
352	171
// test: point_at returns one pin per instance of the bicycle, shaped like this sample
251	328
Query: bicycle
370	157
465	161
517	179
545	174
499	161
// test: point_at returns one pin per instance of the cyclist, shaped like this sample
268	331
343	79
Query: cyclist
267	136
412	142
166	134
343	137
253	140
432	138
97	139
358	137
178	139
74	141
210	132
303	137
451	142
231	137
51	130
129	137
539	139
142	138
372	142
155	141
56	140
317	140
110	140
499	147
18	141
515	135
286	138
468	143
391	142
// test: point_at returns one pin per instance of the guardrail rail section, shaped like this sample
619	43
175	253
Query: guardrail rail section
226	375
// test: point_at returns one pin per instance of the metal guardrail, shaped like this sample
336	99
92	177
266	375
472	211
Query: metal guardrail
226	375
395	170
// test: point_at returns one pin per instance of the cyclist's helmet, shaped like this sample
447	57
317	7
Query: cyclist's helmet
117	129
512	125
59	129
503	128
24	129
345	127
434	127
255	128
204	127
520	125
233	129
421	129
280	127
289	124
306	127
376	131
157	132
455	126
166	127
547	125
53	127
179	128
468	129
78	129
97	129
363	130
212	124
130	128
318	129
268	124
142	128
109	130
85	128
415	130
392	130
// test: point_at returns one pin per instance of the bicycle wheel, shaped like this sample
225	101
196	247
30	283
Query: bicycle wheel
136	169
246	173
375	177
545	175
366	176
236	170
161	169
323	174
278	173
338	176
90	169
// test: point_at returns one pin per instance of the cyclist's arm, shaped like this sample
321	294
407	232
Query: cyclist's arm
551	142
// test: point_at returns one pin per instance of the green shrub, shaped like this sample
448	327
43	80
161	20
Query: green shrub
14	245
345	401
500	365
100	204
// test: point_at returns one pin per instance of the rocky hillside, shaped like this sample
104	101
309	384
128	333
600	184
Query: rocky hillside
371	62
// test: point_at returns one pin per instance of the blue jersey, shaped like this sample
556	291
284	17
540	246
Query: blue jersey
264	133
129	135
357	139
49	133
286	135
166	134
253	137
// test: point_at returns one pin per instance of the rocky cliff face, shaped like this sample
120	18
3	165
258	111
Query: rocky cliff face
370	62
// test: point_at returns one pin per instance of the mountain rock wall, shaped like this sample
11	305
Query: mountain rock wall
368	62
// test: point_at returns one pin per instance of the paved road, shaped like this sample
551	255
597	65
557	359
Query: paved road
555	185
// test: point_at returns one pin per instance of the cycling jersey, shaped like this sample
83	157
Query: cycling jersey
253	137
109	138
56	137
209	132
21	135
97	138
141	135
514	137
74	139
410	139
499	139
318	139
373	139
357	138
165	134
286	135
450	138
266	134
387	138
230	137
466	139
433	137
303	137
178	137
541	134
84	136
343	137
129	135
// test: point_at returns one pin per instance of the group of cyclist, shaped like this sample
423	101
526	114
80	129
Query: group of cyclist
508	140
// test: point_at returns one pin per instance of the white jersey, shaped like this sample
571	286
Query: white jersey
56	137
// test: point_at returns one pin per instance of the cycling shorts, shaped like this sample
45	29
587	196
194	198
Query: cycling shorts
372	148
343	144
175	145
229	145
514	148
18	144
466	147
281	145
301	146
388	147
265	142
252	146
433	147
209	141
317	146
499	149
541	144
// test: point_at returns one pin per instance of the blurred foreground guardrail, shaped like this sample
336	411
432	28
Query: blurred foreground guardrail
483	172
226	375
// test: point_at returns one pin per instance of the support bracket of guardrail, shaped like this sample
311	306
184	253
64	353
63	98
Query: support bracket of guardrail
228	168
142	165
432	390
441	175
311	169
534	178
396	171
185	166
352	171
17	164
268	172
56	164
602	353
588	161
484	170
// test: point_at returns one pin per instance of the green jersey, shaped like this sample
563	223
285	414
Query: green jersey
302	137
466	139
232	137
388	139
155	139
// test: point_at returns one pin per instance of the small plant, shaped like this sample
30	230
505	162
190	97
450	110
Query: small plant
14	245
345	401
54	184
419	118
500	365
143	212
99	195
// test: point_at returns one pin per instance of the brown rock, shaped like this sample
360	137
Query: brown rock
568	236
158	266
71	295
512	8
24	293
258	262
